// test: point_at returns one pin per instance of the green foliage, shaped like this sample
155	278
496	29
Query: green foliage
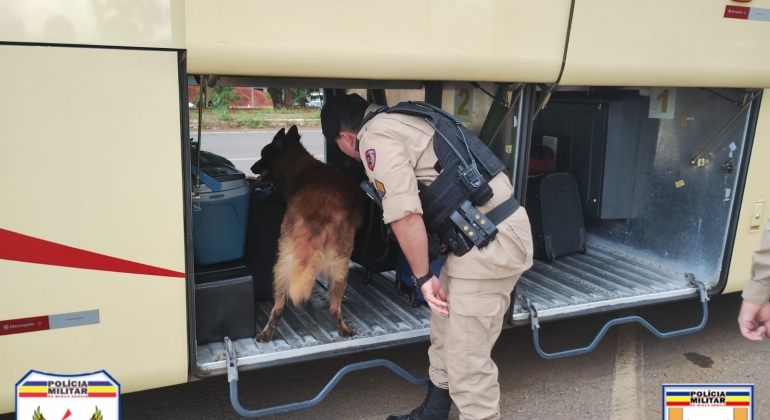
223	112
301	95
222	96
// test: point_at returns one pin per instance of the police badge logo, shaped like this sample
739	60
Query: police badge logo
708	401
371	159
41	396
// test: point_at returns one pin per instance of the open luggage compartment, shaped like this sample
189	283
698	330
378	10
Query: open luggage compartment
658	197
657	241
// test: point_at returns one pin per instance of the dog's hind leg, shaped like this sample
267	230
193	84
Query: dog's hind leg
275	316
338	273
281	281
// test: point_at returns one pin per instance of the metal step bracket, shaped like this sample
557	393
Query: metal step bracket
535	324
232	361
232	378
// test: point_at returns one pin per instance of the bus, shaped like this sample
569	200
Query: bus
654	107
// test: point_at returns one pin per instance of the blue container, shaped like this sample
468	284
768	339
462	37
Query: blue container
220	217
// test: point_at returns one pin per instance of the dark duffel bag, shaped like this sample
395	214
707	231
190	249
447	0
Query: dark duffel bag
556	216
266	209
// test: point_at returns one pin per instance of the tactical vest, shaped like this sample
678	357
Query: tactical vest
465	165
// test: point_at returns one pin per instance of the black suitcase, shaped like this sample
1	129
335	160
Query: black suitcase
555	214
266	209
224	304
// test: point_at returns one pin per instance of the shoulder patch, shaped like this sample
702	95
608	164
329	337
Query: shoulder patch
380	188
371	158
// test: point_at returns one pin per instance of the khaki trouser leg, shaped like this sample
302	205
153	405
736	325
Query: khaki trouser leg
436	353
461	344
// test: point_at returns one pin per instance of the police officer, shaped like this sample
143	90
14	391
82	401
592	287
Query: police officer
470	295
754	316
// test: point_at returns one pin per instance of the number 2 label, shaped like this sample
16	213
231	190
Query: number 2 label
662	103
464	102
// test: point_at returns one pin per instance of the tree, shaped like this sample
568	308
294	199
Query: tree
285	97
288	98
276	95
302	95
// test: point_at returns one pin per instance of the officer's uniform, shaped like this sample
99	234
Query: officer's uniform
757	290
397	152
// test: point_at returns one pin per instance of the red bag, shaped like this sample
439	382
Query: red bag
542	160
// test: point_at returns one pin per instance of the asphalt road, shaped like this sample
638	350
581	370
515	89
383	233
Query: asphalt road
243	147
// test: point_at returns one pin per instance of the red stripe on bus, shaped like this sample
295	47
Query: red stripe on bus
17	247
23	325
32	395
102	394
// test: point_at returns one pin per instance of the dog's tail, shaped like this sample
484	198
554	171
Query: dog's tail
307	263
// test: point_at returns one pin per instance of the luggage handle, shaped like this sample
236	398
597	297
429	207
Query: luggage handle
702	289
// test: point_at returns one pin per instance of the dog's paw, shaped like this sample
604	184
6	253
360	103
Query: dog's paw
264	337
346	331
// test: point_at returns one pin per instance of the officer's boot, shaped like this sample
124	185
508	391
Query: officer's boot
435	407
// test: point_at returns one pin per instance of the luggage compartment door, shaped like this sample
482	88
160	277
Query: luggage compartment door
92	243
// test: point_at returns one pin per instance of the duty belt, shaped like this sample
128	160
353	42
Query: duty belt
472	228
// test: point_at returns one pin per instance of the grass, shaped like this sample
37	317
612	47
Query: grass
256	118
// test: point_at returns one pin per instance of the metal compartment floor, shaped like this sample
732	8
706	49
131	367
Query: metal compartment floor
602	279
380	316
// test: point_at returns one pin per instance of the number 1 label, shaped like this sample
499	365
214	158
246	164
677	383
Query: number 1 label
662	103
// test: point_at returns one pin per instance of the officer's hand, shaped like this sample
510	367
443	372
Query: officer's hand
430	290
754	320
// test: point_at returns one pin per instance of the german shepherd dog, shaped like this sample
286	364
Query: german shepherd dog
324	210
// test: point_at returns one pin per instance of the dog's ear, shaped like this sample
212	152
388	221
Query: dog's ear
279	140
292	137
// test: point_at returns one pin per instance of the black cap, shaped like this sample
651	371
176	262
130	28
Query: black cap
337	109
331	117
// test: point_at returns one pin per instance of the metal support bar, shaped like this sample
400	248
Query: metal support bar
434	92
697	157
722	96
495	98
232	377
626	320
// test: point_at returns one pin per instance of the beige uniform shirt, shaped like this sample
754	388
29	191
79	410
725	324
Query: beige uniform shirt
397	152
757	290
